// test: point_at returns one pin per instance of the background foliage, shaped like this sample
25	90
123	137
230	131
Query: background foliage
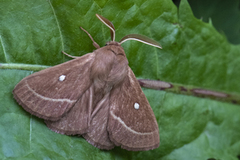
194	54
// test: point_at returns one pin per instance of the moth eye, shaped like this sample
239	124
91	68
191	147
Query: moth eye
136	105
61	78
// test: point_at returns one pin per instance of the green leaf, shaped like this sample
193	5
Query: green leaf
33	34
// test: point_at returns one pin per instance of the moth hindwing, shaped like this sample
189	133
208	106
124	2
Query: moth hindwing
96	96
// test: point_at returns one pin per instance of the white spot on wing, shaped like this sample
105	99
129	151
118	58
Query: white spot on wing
136	105
62	78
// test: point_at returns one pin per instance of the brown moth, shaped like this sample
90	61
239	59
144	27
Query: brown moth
96	95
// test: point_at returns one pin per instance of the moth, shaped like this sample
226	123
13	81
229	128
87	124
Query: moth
96	95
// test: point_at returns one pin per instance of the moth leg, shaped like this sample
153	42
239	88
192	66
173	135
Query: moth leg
99	105
69	55
94	43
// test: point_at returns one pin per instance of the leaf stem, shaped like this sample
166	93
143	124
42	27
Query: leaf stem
190	90
19	66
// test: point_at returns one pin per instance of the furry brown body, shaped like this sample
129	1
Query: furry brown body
96	96
109	68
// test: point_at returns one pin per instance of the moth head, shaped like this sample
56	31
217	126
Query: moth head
135	37
117	50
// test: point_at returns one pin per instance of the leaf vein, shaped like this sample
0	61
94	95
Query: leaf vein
60	32
30	134
4	50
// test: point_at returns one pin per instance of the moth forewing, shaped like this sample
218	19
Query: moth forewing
130	114
46	94
96	96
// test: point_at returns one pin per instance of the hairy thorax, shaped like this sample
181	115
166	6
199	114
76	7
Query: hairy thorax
109	68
